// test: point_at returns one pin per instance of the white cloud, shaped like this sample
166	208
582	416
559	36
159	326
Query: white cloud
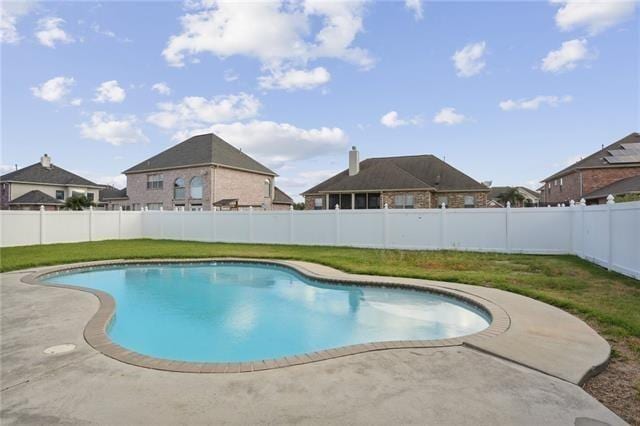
196	111
110	91
53	90
448	116
275	144
469	60
161	88
230	75
274	32
567	57
594	15
392	119
294	79
6	168
113	130
108	33
76	102
534	103
416	7
10	12
49	32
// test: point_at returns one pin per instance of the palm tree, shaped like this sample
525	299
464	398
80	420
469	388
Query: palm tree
511	195
77	202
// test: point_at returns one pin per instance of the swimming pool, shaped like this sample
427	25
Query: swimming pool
237	311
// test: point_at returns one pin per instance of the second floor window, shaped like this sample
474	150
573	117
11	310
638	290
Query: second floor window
155	181
196	187
178	189
59	195
90	196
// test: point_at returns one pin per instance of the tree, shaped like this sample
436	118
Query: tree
77	202
298	206
511	195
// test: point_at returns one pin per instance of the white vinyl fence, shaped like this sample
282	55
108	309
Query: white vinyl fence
608	235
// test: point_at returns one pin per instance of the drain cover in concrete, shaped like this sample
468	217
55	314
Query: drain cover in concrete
59	349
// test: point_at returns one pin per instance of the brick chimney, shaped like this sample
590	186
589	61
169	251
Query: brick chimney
45	161
354	161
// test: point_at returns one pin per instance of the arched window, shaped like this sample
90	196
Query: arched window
267	188
196	187
178	189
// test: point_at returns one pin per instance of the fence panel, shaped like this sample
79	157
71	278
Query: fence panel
596	234
104	227
315	228
476	230
233	227
271	227
19	228
66	226
362	228
625	239
541	230
413	229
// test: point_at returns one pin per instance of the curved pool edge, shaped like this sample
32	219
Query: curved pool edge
95	331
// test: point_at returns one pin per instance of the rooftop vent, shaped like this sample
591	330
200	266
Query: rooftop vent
45	161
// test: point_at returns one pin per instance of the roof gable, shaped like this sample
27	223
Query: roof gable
418	172
36	197
53	175
207	149
623	186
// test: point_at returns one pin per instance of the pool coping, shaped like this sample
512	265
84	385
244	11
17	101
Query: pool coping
95	331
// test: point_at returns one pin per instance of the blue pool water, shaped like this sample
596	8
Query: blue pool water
231	312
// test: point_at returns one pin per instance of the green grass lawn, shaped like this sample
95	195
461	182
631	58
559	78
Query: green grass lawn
609	300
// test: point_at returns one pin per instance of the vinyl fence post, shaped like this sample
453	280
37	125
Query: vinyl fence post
572	213
443	224
507	222
291	214
41	224
119	222
250	224
610	203
182	216
90	223
337	210
385	222
214	235
583	227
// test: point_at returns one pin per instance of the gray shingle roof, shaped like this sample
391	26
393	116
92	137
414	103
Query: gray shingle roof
599	158
624	186
36	197
54	175
498	190
280	197
110	193
395	173
200	150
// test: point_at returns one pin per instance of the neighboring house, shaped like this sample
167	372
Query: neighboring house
531	198
615	162
200	173
113	198
43	184
420	181
628	186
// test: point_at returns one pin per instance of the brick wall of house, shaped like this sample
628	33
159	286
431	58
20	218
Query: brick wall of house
421	199
456	199
247	187
593	179
309	201
562	191
139	194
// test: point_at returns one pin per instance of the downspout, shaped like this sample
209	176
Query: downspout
213	186
580	176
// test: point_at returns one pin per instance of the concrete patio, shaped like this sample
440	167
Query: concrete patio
526	375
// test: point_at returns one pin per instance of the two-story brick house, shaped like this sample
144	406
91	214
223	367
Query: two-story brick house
43	184
618	161
200	173
419	181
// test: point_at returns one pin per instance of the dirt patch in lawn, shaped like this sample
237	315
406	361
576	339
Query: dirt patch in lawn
618	386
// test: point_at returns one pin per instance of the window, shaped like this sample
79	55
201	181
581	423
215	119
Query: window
373	201
555	182
560	181
549	185
59	195
333	200
469	201
361	201
443	199
154	206
345	201
178	189
155	181
403	201
196	187
267	188
196	208
317	203
135	206
90	196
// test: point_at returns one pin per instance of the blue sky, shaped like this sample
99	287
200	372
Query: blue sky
505	91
